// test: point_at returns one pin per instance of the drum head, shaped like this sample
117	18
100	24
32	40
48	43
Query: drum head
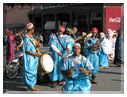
46	63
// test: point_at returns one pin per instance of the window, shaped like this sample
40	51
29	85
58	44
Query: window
98	14
30	4
20	5
81	17
10	5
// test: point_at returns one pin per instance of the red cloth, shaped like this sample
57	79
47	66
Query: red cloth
95	30
62	28
10	54
9	33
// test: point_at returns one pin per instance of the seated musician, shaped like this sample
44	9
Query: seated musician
78	82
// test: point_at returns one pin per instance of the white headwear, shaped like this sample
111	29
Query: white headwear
110	31
30	26
69	29
102	35
76	44
114	31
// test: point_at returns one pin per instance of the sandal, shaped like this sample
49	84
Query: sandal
54	86
34	89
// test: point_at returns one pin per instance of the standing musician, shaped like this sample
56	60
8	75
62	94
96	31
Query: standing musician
70	39
74	31
57	54
30	55
77	82
93	56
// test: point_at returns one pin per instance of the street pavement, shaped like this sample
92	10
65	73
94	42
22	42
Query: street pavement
110	81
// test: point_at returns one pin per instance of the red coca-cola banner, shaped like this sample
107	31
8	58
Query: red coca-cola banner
113	18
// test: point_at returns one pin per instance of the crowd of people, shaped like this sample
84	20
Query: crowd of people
83	67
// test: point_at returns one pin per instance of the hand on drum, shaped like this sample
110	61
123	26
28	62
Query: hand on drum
38	55
38	45
60	54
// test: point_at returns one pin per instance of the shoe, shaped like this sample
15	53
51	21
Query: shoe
101	67
106	67
34	89
93	82
61	83
54	86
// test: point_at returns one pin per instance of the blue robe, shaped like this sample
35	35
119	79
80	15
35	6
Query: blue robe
58	61
71	41
92	56
103	58
29	75
119	49
78	82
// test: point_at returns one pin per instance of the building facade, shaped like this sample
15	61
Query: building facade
47	17
15	16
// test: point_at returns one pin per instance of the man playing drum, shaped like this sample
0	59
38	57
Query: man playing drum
30	55
57	54
77	82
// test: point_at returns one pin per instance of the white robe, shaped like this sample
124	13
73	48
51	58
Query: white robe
106	46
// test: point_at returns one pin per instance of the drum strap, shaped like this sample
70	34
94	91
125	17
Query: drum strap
60	42
32	43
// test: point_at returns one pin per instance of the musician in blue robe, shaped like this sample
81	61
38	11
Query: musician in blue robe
57	55
119	49
29	75
78	83
92	56
70	39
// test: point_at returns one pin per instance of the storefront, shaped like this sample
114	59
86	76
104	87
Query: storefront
84	16
16	27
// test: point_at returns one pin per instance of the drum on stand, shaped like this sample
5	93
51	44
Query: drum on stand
46	64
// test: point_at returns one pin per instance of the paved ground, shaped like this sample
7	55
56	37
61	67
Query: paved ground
110	81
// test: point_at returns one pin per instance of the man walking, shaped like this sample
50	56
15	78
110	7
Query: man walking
30	55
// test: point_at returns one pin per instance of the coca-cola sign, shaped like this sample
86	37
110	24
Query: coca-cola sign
116	20
113	18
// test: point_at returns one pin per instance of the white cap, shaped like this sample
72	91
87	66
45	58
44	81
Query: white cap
76	44
30	26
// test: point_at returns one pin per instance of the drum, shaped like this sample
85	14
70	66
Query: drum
46	64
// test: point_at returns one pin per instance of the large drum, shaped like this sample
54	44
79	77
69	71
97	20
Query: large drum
46	64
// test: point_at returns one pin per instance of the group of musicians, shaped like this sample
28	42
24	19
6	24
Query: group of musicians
61	45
